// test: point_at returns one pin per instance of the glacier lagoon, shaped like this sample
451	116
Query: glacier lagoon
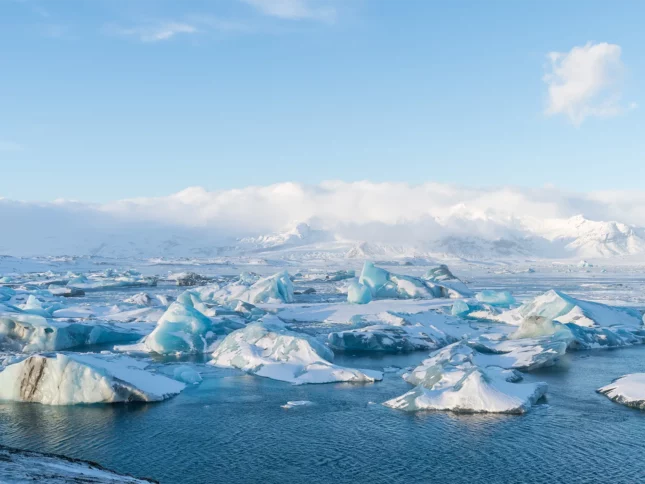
232	426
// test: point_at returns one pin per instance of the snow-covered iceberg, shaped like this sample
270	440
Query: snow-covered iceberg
627	390
267	348
183	328
557	306
383	284
111	280
495	298
358	293
69	379
28	333
397	333
452	380
443	276
277	288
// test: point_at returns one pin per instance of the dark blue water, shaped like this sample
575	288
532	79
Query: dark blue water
232	429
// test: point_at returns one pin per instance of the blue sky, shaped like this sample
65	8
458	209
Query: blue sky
107	99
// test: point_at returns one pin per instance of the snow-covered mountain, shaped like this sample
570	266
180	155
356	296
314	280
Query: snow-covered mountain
590	239
455	232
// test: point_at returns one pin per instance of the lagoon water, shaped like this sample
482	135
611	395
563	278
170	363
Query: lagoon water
232	429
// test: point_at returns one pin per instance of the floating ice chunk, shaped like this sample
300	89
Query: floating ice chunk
6	293
442	275
184	329
128	279
460	308
273	289
186	374
189	279
28	333
140	299
627	390
495	298
358	293
384	284
297	403
597	338
451	380
267	348
65	291
557	306
69	379
389	339
521	354
579	337
535	327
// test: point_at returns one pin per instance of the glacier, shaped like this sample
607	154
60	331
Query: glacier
73	378
269	349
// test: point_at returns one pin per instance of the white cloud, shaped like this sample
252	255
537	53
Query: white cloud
155	32
294	9
382	212
10	146
584	82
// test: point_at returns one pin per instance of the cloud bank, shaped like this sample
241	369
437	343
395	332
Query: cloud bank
586	81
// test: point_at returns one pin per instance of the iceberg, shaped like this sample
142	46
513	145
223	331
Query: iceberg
386	285
268	349
189	279
186	374
185	329
627	390
557	306
399	335
452	380
28	333
111	280
358	293
70	379
443	276
495	298
277	288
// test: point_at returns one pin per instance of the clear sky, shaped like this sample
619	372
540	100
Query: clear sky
107	99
